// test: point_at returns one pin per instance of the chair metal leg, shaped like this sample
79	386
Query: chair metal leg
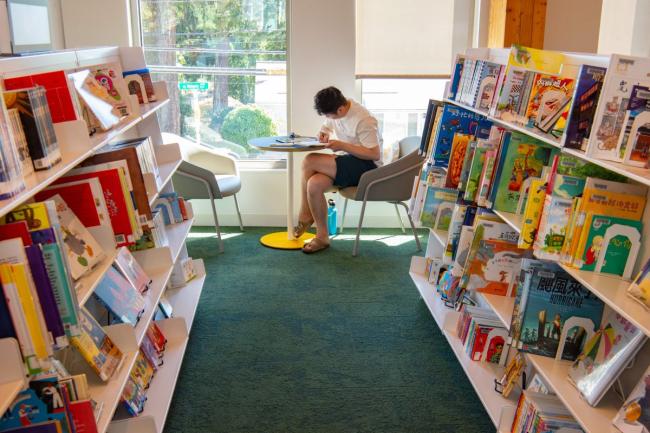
345	209
355	250
241	224
216	223
415	233
399	217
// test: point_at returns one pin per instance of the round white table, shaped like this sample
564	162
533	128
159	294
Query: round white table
290	145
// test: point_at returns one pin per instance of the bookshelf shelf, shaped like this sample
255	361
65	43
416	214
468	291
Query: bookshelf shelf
177	233
159	278
166	169
503	306
513	220
440	235
162	386
141	424
592	419
12	376
185	300
480	374
86	285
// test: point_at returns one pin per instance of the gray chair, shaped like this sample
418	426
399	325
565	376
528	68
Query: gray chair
392	183
206	173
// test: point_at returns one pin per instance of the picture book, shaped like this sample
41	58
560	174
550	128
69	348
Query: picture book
57	91
475	170
640	287
634	415
638	151
636	122
604	356
552	228
453	120
37	125
110	77
535	59
131	269
22	148
456	158
28	413
140	84
608	245
585	98
82	250
99	351
491	266
84	197
485	180
462	251
457	72
487	85
111	182
523	157
623	73
12	180
553	298
96	98
120	297
532	213
435	199
549	100
429	122
513	98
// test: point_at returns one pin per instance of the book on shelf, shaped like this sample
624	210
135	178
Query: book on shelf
549	103
604	356
429	122
459	146
491	266
538	412
453	120
634	415
146	155
623	74
58	91
37	125
22	148
456	76
532	213
110	77
139	83
552	303
482	334
633	138
94	96
587	90
99	351
182	273
639	289
85	199
120	297
438	206
487	85
131	269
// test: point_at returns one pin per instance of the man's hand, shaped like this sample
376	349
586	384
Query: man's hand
335	145
323	137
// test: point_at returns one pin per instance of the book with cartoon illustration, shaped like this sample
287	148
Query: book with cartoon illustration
438	207
120	297
549	101
491	266
640	287
634	415
453	120
585	98
552	298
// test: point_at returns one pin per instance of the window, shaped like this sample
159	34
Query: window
400	105
237	50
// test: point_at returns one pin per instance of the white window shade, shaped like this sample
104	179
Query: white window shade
410	38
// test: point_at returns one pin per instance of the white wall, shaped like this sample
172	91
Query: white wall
572	25
625	27
56	26
96	22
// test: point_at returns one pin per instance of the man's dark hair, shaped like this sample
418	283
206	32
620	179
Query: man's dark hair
329	100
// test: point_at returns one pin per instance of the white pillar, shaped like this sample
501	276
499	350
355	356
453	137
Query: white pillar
625	28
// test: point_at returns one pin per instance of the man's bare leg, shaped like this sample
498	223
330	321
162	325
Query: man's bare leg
312	164
316	187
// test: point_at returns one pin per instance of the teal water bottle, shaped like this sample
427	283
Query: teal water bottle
331	217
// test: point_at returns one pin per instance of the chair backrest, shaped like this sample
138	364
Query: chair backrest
409	144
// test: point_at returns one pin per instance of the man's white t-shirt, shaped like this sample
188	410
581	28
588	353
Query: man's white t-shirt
358	126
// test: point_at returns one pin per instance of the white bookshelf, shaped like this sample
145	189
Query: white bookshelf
480	374
76	146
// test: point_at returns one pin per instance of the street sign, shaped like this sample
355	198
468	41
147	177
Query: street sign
193	85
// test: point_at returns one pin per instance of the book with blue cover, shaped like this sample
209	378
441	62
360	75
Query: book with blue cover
552	298
583	110
120	297
453	120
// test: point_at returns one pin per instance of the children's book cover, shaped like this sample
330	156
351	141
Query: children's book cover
549	100
553	298
617	239
532	213
132	270
456	159
552	227
585	98
566	186
604	356
487	85
637	118
634	416
524	157
640	287
485	180
458	70
85	198
29	411
454	120
492	265
99	351
117	293
434	199
82	249
476	168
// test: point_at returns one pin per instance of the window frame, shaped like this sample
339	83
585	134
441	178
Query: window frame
137	39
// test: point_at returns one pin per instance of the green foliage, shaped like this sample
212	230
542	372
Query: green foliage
244	123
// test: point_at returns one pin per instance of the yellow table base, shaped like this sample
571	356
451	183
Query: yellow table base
280	240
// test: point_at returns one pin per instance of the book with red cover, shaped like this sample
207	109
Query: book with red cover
82	416
115	201
79	198
57	92
480	337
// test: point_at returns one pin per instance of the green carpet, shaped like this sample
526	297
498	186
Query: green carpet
286	342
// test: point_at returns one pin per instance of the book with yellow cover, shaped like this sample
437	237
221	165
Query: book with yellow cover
532	213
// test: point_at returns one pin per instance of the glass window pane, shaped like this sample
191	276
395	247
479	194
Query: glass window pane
237	49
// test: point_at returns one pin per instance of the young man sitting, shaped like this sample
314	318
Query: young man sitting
358	148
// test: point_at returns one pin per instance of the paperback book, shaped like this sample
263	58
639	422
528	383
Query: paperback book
583	110
120	297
